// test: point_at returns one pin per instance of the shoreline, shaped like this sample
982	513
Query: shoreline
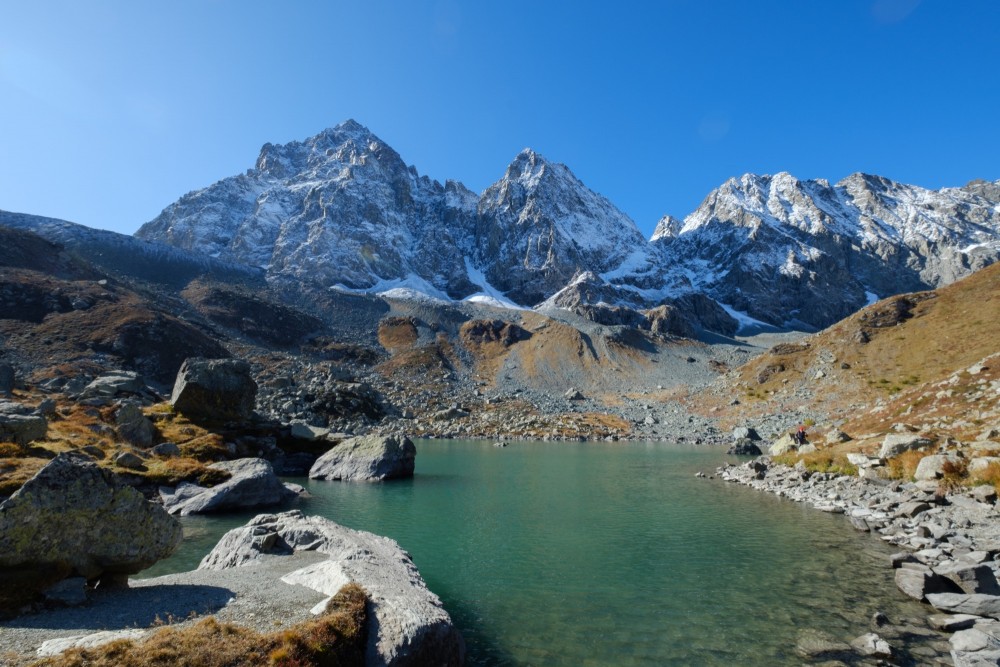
935	530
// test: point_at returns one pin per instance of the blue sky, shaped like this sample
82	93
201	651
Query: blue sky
109	111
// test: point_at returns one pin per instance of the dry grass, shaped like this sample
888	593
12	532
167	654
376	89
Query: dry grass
397	333
990	475
336	638
822	460
14	472
905	465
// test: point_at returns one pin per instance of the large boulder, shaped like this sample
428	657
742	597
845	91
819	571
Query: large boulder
407	625
895	444
252	483
934	466
74	518
783	445
370	457
214	389
19	423
744	447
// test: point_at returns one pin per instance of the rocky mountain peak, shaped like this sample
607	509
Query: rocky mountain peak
667	228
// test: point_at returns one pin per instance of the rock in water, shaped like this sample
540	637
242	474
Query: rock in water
252	484
214	389
75	518
744	447
407	626
370	457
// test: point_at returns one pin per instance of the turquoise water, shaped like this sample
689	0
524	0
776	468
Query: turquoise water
608	553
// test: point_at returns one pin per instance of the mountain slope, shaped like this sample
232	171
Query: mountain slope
903	359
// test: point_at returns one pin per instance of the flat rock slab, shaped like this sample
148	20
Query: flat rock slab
977	604
253	597
409	625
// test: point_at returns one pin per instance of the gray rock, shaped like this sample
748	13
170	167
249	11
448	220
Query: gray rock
745	447
166	450
934	466
979	645
408	624
114	384
7	379
128	460
573	395
214	389
54	647
76	518
919	581
895	444
304	431
783	445
70	592
369	457
449	414
971	578
952	622
133	426
912	508
46	408
252	484
22	428
984	494
745	433
872	645
977	604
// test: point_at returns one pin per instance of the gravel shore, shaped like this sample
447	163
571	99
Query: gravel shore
253	597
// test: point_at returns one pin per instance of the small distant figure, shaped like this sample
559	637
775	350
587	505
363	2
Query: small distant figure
800	435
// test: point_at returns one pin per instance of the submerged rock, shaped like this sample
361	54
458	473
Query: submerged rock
369	457
408	624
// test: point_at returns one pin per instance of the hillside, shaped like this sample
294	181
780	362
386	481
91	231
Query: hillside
927	359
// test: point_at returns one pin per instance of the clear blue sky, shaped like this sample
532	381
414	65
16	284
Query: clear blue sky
109	111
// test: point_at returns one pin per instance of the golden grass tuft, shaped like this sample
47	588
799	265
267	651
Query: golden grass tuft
338	637
990	475
822	460
905	465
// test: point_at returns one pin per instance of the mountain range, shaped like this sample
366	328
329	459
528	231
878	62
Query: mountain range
343	211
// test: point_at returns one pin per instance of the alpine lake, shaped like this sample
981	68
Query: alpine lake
608	554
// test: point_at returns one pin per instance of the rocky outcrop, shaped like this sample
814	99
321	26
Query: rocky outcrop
75	518
215	390
370	457
408	624
20	424
252	483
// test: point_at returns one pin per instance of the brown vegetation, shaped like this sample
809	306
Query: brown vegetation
338	637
